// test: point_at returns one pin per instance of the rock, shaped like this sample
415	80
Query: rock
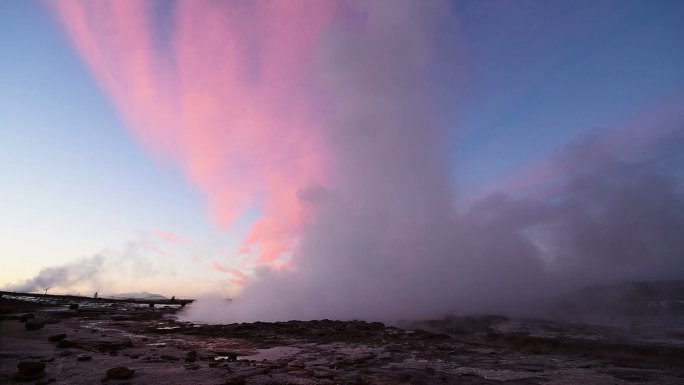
57	337
112	344
29	371
34	324
30	367
83	357
119	373
191	356
65	344
230	356
26	317
191	366
362	358
169	358
322	375
236	381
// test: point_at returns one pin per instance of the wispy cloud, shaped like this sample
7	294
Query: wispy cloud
237	112
171	237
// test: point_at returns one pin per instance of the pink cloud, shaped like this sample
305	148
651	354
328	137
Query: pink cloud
224	95
171	237
239	278
243	251
158	251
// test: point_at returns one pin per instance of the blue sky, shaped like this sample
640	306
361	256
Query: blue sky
543	73
74	183
515	82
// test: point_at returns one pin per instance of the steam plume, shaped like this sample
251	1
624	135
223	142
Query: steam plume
69	275
319	115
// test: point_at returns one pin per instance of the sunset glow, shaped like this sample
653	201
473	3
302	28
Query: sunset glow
340	154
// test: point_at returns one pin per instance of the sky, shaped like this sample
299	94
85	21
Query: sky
187	148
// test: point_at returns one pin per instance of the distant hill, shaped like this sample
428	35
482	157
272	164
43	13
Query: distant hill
140	295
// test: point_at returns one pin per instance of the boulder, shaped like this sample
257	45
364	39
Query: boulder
34	324
30	367
29	370
119	373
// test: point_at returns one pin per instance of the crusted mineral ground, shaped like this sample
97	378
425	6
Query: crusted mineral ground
123	344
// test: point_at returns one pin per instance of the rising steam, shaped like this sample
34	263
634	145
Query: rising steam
334	139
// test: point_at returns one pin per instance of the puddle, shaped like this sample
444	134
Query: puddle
271	354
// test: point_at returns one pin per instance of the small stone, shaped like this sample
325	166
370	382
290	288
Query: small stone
191	356
57	337
119	373
26	317
34	324
65	353
191	366
83	357
169	357
73	306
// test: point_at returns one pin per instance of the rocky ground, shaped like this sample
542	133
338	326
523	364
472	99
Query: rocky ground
121	344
